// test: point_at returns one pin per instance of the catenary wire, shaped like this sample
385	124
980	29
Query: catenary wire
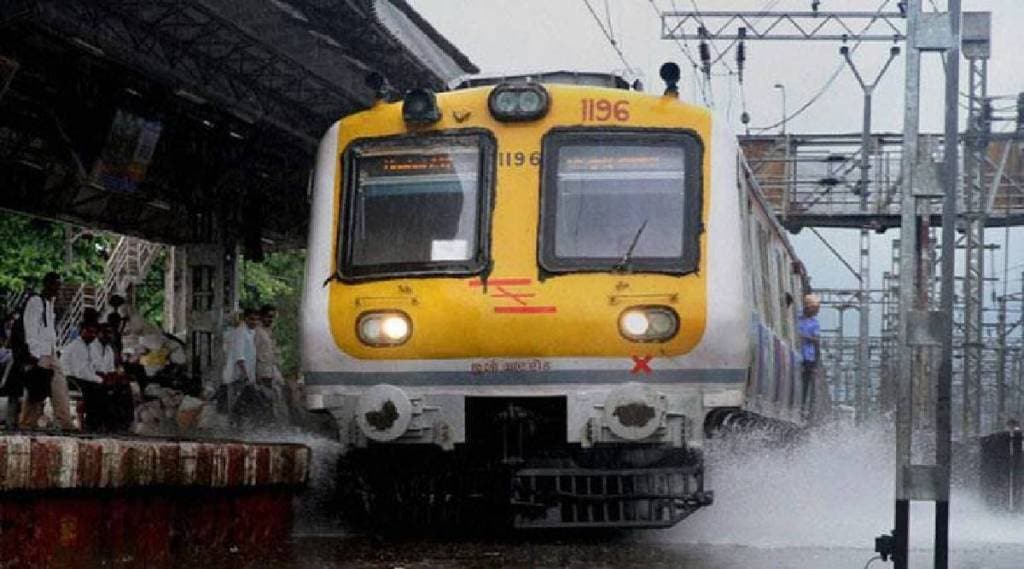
684	47
700	19
709	93
608	36
828	84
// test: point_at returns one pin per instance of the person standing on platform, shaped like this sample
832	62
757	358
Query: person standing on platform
268	362
810	350
240	365
41	341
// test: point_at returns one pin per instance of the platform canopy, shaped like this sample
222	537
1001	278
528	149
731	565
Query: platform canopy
149	117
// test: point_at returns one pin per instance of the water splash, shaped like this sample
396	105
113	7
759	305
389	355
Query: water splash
835	489
316	509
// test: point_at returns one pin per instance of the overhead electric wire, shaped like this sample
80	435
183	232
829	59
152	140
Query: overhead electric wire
684	46
608	18
760	16
741	53
828	84
700	19
837	254
728	105
609	36
708	89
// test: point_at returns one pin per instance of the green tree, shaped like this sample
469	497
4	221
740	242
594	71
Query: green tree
149	294
29	248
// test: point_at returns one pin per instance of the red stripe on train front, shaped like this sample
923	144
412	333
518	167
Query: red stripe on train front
525	309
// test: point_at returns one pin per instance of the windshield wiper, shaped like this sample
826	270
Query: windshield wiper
623	264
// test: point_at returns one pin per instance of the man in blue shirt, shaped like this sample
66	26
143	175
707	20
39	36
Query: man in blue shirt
810	349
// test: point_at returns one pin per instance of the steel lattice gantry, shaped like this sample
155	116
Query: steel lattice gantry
783	26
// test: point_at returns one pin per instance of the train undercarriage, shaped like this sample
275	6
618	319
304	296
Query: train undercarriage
516	470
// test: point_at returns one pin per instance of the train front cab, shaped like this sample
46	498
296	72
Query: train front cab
551	353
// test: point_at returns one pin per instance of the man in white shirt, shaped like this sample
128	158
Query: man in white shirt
240	365
77	362
41	338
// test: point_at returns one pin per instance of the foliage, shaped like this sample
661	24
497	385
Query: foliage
278	281
29	248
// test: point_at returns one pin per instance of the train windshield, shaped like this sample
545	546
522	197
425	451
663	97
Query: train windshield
620	202
415	206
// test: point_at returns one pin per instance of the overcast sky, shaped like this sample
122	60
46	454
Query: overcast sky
505	36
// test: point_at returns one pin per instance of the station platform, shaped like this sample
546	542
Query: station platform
87	501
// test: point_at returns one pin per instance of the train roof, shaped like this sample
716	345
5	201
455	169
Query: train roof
589	79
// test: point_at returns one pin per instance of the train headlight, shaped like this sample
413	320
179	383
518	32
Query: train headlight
384	328
648	323
511	102
635	323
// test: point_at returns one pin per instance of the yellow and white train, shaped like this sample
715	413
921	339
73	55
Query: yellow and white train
535	297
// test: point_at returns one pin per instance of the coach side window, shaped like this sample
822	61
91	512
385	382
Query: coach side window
766	276
752	258
785	306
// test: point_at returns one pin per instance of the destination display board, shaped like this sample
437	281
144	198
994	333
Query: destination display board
620	158
426	161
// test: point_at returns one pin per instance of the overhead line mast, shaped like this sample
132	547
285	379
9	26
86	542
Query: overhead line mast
920	328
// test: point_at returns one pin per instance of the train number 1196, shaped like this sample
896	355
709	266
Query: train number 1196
603	110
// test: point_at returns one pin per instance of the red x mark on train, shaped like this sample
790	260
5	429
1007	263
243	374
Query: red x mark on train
520	305
515	296
641	364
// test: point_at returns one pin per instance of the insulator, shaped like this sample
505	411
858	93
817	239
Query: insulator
705	58
741	53
705	50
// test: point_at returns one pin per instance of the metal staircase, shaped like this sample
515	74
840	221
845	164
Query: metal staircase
15	301
128	265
